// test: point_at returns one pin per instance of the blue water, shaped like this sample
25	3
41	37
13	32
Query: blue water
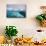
16	14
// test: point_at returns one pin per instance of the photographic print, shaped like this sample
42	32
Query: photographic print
16	11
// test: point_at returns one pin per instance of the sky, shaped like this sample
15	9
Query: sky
16	7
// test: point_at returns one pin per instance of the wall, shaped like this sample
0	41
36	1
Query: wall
25	26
